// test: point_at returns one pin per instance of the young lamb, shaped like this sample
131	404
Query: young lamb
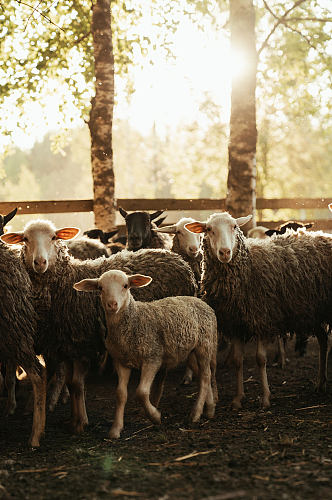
186	244
265	288
257	232
18	321
53	273
157	335
141	231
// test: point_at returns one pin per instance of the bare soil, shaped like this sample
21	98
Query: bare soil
282	453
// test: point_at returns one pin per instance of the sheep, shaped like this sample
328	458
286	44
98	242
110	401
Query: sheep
264	288
99	234
293	225
87	248
53	273
18	321
257	232
141	231
151	336
186	244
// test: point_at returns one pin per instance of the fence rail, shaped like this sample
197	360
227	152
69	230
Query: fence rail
69	206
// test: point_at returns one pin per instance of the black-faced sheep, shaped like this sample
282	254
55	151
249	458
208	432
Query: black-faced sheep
75	322
265	288
160	334
141	231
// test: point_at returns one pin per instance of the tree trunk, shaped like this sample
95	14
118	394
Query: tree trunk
241	182
101	117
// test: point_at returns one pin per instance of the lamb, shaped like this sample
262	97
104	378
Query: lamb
141	231
53	273
157	335
186	244
18	320
264	288
87	248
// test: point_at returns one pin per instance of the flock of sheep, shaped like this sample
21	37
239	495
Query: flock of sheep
162	297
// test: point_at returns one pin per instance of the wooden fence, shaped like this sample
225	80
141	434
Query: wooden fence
67	206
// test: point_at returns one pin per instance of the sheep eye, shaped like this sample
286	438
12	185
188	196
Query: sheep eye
53	238
208	229
25	239
125	286
234	227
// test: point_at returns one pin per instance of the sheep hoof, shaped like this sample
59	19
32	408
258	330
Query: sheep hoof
236	404
266	404
155	416
114	433
186	380
209	411
10	410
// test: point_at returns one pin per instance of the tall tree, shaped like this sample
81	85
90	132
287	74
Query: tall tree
101	116
241	182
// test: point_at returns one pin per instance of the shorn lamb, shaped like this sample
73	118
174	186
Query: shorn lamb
18	322
160	334
264	288
72	324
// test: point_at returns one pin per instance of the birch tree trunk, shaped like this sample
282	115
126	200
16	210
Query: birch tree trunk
241	182
101	117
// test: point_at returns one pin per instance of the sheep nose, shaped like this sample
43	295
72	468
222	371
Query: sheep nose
193	249
225	252
40	262
112	305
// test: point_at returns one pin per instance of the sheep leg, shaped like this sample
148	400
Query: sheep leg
38	382
238	353
79	418
57	386
148	373
2	382
281	355
10	380
158	387
261	362
213	367
322	335
205	395
81	368
121	399
187	377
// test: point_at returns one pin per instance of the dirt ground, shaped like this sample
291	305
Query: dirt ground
283	453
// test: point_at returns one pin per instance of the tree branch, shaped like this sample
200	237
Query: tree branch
280	20
32	13
39	12
318	19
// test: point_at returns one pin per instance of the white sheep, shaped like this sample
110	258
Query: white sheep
264	288
150	336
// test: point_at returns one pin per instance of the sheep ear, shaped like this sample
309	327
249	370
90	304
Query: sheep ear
167	229
111	234
330	207
308	225
160	221
241	221
138	280
67	233
156	214
12	238
123	212
196	227
88	285
9	216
